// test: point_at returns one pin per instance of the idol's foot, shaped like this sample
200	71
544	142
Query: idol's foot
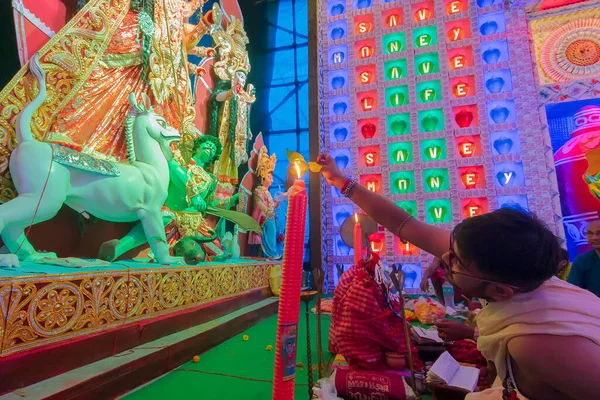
37	256
9	260
108	250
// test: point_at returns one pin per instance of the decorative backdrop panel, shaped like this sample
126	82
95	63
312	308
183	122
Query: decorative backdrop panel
429	103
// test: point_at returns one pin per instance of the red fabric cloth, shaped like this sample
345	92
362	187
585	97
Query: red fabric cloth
363	326
369	384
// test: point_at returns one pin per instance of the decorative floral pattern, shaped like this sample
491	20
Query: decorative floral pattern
40	310
567	46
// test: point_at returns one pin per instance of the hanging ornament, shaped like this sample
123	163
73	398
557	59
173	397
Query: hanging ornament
433	152
494	84
403	185
488	28
363	27
397	99
398	127
340	108
469	179
337	33
429	123
472	209
338	82
435	182
506	177
392	20
341	216
422	14
499	114
341	161
401	156
366	51
466	148
461	89
365	77
394	46
454	7
337	9
458	61
427	95
367	103
455	34
340	134
503	145
464	118
426	67
338	57
395	72
424	40
373	184
438	212
370	158
368	130
491	56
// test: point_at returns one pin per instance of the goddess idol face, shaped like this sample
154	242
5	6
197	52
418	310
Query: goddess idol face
240	78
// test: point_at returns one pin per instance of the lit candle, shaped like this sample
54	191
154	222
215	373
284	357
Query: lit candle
289	297
357	241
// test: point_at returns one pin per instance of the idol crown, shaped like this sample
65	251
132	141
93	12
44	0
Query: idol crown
266	164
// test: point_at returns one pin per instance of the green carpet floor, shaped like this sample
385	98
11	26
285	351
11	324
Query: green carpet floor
237	369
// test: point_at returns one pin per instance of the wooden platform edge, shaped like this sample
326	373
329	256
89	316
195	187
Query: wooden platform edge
23	370
115	376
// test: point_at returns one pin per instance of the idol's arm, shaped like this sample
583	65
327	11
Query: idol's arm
177	174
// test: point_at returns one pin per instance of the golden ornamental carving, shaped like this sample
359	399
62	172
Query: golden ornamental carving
126	297
68	59
55	309
38	311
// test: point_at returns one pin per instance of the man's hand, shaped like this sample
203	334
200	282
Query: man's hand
331	172
453	330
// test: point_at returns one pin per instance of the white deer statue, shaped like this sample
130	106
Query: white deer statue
45	180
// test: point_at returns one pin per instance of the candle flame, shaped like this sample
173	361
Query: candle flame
356	217
297	169
373	248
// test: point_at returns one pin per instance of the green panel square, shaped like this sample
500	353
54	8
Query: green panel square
400	153
402	182
433	150
431	120
395	69
427	63
396	96
429	91
438	211
436	180
425	36
394	43
398	124
410	206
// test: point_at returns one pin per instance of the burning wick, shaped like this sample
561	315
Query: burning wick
356	217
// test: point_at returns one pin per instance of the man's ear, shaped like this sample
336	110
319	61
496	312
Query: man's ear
499	292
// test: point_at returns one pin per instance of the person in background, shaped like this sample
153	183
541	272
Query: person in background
542	334
564	268
585	272
436	273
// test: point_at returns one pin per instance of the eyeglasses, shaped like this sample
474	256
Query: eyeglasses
592	234
453	258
